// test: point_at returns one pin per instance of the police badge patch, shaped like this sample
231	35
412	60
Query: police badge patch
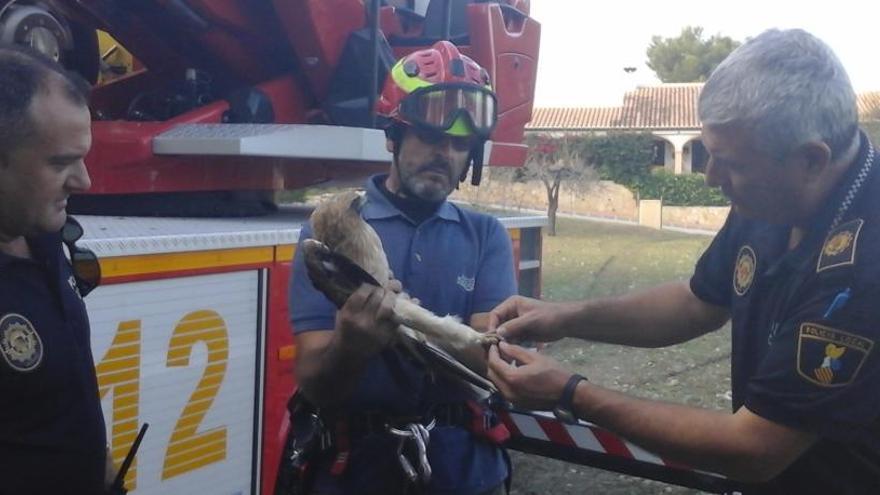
20	343
839	248
744	270
829	357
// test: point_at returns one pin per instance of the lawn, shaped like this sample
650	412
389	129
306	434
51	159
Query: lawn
593	259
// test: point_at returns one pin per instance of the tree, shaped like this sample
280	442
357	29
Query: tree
688	57
553	160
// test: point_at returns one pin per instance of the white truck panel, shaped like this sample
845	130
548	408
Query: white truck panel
199	342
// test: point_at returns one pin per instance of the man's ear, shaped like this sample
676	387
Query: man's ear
815	156
389	145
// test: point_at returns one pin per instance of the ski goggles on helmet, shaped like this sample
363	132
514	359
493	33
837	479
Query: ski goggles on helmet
452	108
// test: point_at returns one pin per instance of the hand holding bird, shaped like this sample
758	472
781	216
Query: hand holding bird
346	253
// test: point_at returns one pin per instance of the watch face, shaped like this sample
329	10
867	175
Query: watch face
564	415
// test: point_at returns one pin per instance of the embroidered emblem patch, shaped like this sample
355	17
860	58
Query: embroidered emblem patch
829	357
466	283
20	343
744	270
840	246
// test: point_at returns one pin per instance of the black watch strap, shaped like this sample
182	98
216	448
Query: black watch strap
567	399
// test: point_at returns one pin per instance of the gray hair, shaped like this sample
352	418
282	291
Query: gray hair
789	88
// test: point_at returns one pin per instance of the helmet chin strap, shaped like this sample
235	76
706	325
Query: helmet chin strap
475	161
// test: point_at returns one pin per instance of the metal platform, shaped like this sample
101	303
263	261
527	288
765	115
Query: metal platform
274	140
110	236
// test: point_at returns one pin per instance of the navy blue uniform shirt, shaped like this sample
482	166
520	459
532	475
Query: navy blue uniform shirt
457	262
52	437
806	326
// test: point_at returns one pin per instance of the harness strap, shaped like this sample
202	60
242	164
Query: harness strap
485	424
343	448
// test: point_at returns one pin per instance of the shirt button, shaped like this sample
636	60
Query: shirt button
419	257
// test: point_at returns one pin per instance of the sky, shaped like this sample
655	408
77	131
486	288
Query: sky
585	44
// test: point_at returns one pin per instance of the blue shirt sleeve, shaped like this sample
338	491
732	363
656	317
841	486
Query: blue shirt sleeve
309	308
496	277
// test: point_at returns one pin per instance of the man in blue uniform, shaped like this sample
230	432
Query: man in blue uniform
52	437
458	262
795	267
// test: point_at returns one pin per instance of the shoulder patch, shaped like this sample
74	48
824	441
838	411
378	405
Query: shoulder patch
20	344
829	357
839	248
744	270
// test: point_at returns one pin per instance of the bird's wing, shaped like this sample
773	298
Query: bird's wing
333	274
441	361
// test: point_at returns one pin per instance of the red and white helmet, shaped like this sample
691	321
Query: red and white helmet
442	90
438	89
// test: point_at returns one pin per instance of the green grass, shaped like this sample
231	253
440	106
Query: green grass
592	259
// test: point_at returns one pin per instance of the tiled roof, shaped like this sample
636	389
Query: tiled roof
869	105
664	106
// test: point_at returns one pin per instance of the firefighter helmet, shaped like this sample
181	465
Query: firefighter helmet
440	90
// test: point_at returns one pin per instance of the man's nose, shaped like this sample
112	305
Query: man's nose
715	176
79	180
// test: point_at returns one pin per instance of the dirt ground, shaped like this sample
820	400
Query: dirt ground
611	259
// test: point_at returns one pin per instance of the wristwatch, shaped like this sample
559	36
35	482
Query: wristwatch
564	410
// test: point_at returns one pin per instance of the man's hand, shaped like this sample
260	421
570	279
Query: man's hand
536	382
522	318
365	323
110	470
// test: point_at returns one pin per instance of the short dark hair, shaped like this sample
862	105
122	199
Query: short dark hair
24	73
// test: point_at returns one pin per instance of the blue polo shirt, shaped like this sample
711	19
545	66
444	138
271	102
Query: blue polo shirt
798	357
457	262
52	437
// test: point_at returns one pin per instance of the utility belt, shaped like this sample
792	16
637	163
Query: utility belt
470	415
319	434
374	423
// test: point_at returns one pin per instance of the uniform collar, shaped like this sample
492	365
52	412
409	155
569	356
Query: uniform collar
378	206
40	246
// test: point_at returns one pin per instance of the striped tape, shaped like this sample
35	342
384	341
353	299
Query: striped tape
540	433
586	436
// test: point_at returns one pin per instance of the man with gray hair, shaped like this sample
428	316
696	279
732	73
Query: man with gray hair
795	268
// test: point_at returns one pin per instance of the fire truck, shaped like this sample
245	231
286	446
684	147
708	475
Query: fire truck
224	103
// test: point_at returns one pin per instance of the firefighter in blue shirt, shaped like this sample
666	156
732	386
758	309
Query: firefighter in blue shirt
440	110
52	437
795	268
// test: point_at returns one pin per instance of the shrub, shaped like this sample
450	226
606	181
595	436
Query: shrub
624	158
679	190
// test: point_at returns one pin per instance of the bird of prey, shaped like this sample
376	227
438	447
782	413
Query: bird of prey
346	252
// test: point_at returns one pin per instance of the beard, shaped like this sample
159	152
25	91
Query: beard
422	184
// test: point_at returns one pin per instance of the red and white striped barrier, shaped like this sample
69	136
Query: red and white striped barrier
587	436
585	443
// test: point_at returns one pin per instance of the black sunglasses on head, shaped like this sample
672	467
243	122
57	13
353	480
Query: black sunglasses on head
86	269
